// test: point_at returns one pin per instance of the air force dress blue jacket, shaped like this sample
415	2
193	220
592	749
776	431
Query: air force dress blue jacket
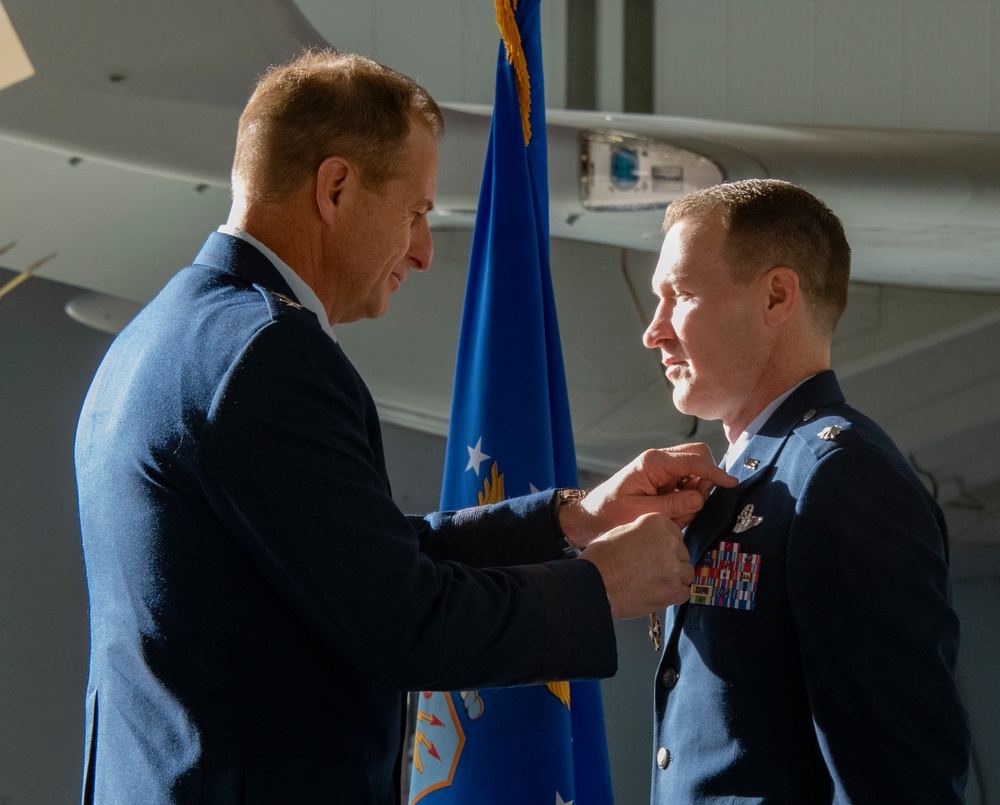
258	602
815	661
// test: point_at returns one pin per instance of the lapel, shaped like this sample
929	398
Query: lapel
716	520
232	255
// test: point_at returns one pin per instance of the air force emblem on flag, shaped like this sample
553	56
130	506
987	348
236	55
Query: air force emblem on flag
437	744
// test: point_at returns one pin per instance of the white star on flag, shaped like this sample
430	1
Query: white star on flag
561	801
476	456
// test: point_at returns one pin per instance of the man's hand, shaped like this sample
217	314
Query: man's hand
644	564
673	481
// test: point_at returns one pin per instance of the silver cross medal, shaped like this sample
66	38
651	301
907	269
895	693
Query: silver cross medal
655	630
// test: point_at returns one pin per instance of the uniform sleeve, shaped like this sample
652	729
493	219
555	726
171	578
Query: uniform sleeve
293	468
871	599
519	531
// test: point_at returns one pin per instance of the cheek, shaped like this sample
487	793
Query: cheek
686	323
397	244
710	345
736	349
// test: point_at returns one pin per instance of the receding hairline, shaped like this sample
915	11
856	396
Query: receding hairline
349	105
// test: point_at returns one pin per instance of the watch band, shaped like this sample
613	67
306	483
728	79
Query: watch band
562	497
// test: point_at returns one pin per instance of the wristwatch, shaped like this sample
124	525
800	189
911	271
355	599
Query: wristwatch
561	498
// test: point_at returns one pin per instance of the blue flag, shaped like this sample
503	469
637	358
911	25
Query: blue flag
510	434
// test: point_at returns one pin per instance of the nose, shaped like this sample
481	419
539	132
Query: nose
659	330
421	246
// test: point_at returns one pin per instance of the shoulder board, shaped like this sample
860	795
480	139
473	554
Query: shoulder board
281	304
823	430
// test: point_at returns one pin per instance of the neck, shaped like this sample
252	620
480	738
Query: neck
771	387
285	231
791	349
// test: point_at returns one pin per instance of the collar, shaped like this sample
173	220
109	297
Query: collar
300	289
798	406
736	448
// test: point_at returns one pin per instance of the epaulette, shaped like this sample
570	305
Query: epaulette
278	303
824	431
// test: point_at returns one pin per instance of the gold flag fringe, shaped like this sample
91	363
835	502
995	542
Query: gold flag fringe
561	691
515	56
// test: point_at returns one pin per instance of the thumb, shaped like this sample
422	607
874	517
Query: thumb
680	504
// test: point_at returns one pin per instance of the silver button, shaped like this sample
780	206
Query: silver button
809	415
669	678
663	758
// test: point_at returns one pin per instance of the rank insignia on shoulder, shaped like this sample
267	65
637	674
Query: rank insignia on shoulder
746	520
830	434
727	577
287	300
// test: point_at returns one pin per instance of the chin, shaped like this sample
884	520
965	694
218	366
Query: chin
377	307
684	403
680	397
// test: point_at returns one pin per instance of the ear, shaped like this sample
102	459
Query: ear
333	177
783	294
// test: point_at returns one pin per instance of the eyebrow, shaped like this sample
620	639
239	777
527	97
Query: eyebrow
670	279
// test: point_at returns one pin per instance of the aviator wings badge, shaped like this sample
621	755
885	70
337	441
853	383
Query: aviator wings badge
746	520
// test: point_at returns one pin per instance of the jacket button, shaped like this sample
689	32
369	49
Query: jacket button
663	758
669	678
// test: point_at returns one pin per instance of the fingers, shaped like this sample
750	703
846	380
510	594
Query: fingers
681	505
645	566
665	466
684	479
672	481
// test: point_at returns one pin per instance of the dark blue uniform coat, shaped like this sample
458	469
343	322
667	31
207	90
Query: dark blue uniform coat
257	600
839	685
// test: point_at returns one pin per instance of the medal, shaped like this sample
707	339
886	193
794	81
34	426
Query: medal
655	631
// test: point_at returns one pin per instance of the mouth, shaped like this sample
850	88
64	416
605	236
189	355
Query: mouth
674	368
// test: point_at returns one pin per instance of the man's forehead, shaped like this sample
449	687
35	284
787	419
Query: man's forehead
701	226
672	249
689	244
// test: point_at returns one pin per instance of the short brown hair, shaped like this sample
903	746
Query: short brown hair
772	223
323	104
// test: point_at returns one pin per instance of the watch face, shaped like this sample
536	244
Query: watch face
570	494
